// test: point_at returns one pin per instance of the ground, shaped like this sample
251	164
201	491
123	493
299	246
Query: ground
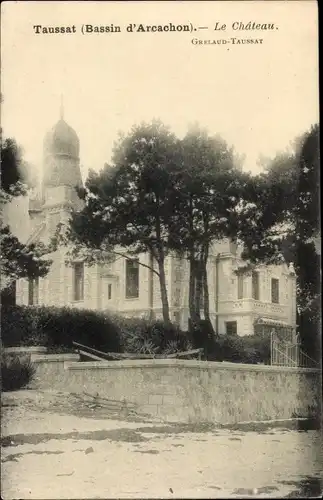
57	445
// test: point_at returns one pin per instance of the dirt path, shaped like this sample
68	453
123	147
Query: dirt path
56	445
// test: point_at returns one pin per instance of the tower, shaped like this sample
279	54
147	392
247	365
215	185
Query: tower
61	173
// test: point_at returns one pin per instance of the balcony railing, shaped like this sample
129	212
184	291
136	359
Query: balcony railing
251	305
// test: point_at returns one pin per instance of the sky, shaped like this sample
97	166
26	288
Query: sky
259	97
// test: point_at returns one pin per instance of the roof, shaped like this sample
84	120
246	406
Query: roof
62	140
273	322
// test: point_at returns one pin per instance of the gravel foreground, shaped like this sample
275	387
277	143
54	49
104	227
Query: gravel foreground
57	445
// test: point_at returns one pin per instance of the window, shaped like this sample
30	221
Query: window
132	279
275	290
240	286
109	291
255	285
33	291
231	328
78	291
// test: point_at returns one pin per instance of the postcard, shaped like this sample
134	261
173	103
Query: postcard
160	250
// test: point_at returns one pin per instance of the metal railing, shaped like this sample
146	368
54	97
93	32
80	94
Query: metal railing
289	354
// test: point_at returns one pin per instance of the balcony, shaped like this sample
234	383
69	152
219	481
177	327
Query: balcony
246	306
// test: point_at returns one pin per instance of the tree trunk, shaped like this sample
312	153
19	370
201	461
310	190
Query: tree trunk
206	297
192	280
151	286
204	260
207	301
192	289
206	304
161	267
163	289
217	294
198	288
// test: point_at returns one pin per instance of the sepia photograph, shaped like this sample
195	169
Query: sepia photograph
160	250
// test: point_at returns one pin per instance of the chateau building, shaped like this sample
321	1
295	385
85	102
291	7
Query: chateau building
239	303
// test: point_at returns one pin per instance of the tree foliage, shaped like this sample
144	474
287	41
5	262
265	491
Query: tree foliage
129	205
10	167
163	195
282	219
207	191
18	260
282	224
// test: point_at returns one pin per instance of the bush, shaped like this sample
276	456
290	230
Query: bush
16	372
151	337
202	334
57	328
250	349
239	350
260	345
18	327
94	329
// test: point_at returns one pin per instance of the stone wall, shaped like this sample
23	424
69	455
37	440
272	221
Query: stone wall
50	370
190	391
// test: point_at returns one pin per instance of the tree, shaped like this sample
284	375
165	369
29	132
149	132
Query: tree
282	224
307	265
208	189
12	178
17	259
162	195
129	204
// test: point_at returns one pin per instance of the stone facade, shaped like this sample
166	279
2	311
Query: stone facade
104	287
